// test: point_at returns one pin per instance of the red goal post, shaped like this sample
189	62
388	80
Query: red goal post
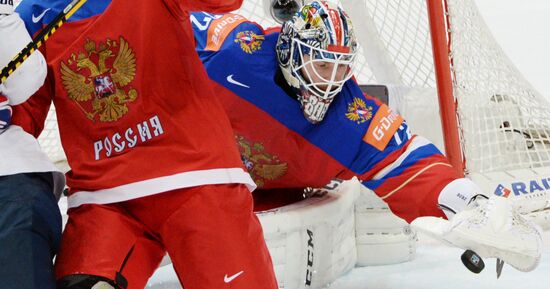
440	35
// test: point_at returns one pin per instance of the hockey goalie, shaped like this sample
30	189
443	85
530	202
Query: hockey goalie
301	121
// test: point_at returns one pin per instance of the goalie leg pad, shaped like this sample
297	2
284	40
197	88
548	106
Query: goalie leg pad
382	238
312	242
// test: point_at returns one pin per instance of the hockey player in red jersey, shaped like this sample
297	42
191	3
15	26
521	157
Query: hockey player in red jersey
30	221
300	121
154	166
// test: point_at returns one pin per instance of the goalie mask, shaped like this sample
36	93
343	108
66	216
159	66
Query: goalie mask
316	51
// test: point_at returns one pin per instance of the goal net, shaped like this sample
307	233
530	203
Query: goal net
503	123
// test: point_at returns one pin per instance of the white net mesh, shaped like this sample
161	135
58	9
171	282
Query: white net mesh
504	121
50	141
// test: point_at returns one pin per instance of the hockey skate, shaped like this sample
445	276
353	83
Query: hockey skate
493	229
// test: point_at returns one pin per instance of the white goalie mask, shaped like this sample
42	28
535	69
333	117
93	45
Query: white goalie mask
316	52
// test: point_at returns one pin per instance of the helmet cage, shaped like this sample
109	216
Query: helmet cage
316	51
306	71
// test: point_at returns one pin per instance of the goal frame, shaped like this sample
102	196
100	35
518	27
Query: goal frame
441	36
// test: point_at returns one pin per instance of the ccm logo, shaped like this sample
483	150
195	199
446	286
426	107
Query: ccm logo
382	127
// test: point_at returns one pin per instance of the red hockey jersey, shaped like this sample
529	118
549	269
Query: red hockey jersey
134	106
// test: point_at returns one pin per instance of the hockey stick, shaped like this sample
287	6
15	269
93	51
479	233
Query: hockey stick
40	38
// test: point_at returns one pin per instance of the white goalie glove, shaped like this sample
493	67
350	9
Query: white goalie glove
493	229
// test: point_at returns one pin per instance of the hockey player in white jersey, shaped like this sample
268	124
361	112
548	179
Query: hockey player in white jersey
30	221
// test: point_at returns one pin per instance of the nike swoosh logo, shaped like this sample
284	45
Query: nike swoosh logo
35	19
231	278
231	80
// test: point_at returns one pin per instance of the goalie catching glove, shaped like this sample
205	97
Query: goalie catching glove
493	229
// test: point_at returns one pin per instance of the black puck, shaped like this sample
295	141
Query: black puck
472	261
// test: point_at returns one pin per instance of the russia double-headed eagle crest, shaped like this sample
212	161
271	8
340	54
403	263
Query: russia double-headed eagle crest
250	41
262	166
358	111
99	79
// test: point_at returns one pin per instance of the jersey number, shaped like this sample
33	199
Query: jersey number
203	25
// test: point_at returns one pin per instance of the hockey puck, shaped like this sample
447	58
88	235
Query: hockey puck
472	261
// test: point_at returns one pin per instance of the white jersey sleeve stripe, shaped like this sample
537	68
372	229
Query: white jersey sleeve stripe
416	143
